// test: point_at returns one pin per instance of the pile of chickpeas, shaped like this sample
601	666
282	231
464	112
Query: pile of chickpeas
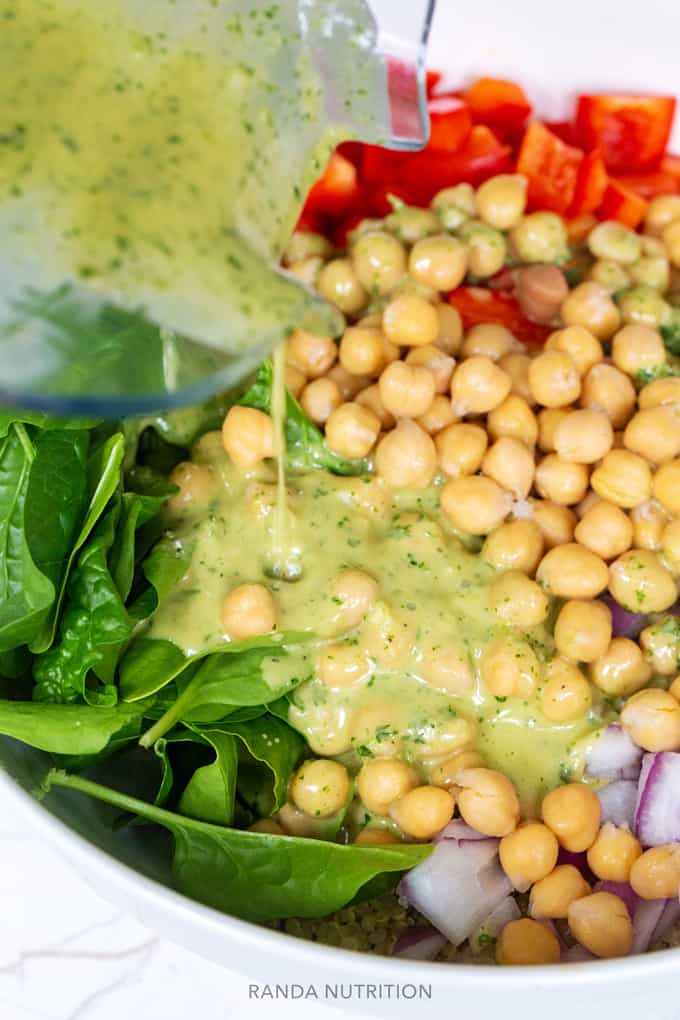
563	462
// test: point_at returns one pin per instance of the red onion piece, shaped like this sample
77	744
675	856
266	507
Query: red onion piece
624	623
657	810
458	886
460	831
577	860
576	954
618	802
623	890
613	756
505	912
419	943
645	923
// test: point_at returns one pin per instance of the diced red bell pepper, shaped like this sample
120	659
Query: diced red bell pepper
564	129
310	221
336	191
579	228
631	131
479	305
379	165
432	79
353	151
622	204
591	184
551	166
450	123
498	103
670	165
378	199
650	185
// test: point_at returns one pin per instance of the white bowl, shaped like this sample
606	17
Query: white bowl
553	51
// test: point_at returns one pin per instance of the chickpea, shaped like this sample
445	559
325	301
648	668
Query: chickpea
489	340
319	399
610	275
196	483
370	836
461	448
509	668
541	291
653	434
361	351
515	545
295	380
341	666
674	689
518	600
460	196
622	478
486	247
267	826
305	244
248	436
351	430
555	521
320	787
661	212
611	240
644	306
652	271
312	355
552	896
370	398
548	421
601	924
488	801
438	415
207	449
355	593
652	719
655	874
666	486
639	582
406	457
671	239
474	504
340	285
670	545
561	481
573	813
527	943
439	262
649	520
583	630
528	854
307	270
381	781
406	391
605	529
510	464
607	389
349	385
554	380
501	200
450	334
636	348
513	419
614	853
540	237
478	386
591	306
566	695
516	365
248	611
584	349
445	773
411	223
379	261
660	643
410	321
446	671
439	364
583	436
423	812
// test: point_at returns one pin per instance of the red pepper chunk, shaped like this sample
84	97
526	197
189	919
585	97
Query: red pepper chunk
552	168
478	305
650	185
591	185
336	190
450	124
498	103
631	131
623	205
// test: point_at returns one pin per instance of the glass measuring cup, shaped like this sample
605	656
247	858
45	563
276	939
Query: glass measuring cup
154	162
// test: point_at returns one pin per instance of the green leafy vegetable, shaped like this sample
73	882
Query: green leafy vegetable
305	444
69	729
254	875
670	332
211	791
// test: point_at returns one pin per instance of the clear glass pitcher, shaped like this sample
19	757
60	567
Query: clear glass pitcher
153	160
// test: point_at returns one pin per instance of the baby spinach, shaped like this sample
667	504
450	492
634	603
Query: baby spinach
69	729
254	875
304	442
211	791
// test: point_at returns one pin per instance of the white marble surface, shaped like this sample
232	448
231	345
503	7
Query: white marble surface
67	954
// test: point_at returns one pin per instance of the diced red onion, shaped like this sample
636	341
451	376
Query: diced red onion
618	802
505	912
419	942
645	923
657	809
576	954
460	831
613	756
577	860
624	623
458	886
623	890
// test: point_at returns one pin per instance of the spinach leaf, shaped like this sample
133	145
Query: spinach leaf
670	332
254	875
163	568
69	729
137	510
26	594
181	427
305	444
42	421
211	791
92	629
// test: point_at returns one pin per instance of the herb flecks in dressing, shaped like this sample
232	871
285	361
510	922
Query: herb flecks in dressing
433	607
